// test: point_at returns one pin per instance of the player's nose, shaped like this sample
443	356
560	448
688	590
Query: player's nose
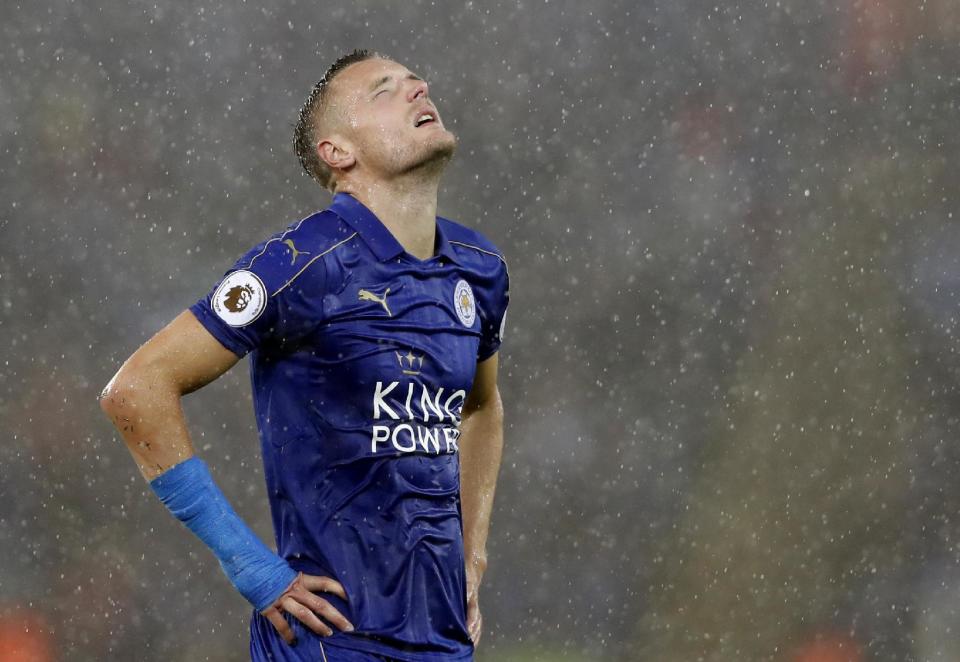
418	90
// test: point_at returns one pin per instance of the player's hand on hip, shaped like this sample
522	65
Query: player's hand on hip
300	601
474	619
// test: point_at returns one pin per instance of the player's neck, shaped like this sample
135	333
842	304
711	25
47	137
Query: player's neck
408	209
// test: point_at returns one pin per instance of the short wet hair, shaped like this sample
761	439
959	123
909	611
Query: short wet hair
304	135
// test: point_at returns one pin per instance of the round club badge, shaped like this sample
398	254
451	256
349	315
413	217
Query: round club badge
240	298
464	303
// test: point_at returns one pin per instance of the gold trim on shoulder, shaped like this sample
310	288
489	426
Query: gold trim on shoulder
477	248
339	243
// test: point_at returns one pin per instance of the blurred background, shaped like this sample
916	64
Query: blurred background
731	361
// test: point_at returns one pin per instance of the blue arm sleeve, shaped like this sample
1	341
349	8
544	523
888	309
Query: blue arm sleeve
188	491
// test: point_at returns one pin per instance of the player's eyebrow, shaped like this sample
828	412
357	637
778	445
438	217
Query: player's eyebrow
385	79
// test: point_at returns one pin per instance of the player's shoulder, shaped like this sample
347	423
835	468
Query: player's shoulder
310	237
471	244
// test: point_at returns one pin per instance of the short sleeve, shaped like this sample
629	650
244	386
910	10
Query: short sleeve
493	315
259	300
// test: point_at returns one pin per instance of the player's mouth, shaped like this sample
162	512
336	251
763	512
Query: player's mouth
426	118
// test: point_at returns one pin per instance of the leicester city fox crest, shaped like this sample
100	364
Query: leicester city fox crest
464	303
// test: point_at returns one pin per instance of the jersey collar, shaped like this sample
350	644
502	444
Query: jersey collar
375	234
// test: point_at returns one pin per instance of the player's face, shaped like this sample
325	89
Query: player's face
388	116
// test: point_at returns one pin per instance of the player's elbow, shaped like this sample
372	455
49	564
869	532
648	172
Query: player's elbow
129	387
496	408
115	395
487	402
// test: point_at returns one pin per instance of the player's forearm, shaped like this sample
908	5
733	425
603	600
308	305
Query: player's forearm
145	408
481	446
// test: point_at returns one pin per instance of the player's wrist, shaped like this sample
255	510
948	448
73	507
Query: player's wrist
261	579
189	492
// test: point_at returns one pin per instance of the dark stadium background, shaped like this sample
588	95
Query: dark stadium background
731	358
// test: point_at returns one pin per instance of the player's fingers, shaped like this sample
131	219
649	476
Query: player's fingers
476	629
325	609
306	616
325	584
281	625
473	619
328	611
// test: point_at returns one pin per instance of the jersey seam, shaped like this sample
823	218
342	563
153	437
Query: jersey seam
482	250
285	232
296	275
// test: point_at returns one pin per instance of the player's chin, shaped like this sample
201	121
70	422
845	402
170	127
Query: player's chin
446	149
436	152
441	143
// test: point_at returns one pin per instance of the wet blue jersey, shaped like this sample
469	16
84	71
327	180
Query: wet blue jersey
361	358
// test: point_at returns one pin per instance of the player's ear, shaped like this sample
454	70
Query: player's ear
336	155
